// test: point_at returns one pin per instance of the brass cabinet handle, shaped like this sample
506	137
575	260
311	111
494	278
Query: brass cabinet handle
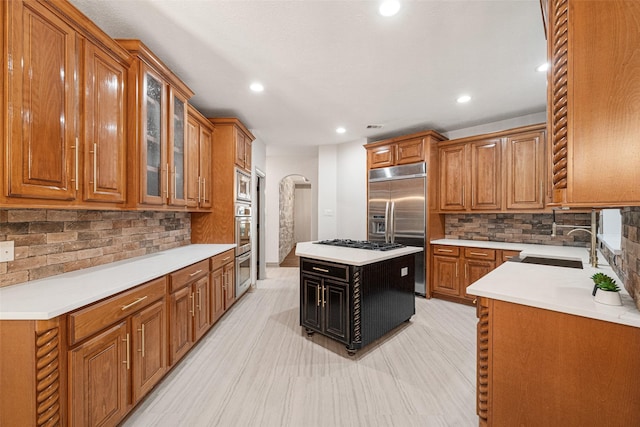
124	307
198	189
126	362
195	272
318	296
466	271
199	300
75	175
141	330
227	258
456	270
479	253
444	250
166	180
324	270
323	296
193	305
95	167
204	189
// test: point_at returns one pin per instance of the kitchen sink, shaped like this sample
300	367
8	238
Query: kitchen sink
555	262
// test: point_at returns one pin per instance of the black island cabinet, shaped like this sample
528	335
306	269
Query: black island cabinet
356	304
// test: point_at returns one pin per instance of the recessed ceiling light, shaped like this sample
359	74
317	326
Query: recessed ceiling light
463	98
341	130
542	68
256	87
389	7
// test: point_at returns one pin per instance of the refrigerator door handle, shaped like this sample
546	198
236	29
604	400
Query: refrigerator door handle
392	221
386	223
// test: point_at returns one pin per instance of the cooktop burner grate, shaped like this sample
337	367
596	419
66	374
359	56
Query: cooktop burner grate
361	244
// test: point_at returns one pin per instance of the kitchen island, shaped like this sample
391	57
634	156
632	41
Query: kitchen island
353	295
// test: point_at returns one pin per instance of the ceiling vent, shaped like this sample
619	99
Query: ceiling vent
374	126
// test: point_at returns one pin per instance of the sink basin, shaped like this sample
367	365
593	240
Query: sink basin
555	262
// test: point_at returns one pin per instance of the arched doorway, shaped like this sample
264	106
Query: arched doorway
294	216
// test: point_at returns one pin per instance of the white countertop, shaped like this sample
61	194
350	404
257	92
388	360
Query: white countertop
50	297
350	256
566	290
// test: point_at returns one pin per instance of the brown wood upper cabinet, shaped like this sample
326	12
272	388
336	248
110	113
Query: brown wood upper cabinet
66	142
199	141
157	131
594	143
243	149
400	150
495	172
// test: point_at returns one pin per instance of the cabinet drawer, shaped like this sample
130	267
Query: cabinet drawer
91	319
479	253
326	269
221	259
446	250
506	255
181	278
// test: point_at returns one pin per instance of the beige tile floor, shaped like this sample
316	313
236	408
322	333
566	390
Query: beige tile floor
256	367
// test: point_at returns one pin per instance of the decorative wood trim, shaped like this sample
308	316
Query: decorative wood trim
482	403
559	78
424	134
48	378
357	319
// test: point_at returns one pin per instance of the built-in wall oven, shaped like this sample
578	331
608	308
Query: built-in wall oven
243	247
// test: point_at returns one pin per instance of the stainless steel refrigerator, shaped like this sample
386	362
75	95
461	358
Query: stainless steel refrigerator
397	212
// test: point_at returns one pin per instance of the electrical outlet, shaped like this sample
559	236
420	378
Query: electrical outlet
6	251
404	271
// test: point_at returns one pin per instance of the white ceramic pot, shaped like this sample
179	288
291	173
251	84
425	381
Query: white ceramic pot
607	297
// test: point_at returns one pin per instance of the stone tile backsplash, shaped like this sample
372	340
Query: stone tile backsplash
630	269
50	242
517	228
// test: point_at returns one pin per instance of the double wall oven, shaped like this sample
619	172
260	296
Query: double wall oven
243	232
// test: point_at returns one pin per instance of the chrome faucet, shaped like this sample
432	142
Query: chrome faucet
591	229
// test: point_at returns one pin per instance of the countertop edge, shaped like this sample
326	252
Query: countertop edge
46	290
350	256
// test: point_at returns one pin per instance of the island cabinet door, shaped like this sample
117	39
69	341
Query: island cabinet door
311	303
335	303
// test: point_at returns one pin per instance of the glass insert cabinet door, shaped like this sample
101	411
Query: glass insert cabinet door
154	90
178	114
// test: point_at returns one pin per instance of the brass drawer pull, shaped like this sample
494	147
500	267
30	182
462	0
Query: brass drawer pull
445	250
479	253
324	270
226	258
195	272
124	307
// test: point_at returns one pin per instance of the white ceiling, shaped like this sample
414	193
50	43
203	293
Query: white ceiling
326	64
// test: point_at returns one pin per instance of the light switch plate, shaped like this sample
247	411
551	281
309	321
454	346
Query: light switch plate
6	251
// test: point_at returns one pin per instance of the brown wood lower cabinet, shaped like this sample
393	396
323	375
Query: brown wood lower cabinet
454	268
188	308
540	367
90	367
222	283
130	352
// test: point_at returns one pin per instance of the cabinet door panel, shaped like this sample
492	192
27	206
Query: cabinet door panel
154	178
180	323
217	294
452	178
485	175
149	348
205	168
105	144
446	275
474	270
381	156
229	285
98	371
177	151
194	188
525	171
311	304
411	151
201	305
42	94
240	148
335	311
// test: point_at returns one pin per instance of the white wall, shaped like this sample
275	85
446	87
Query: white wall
352	191
278	166
258	161
530	119
327	197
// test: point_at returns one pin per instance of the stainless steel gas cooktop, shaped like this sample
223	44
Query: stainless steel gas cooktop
361	244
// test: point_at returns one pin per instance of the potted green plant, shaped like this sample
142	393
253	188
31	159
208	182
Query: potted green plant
605	290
